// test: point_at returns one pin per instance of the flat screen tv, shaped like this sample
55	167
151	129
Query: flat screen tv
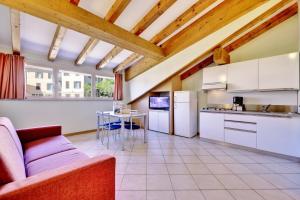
159	103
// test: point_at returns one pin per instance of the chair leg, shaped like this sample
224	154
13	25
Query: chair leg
107	135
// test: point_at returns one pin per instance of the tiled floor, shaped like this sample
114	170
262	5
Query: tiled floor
171	167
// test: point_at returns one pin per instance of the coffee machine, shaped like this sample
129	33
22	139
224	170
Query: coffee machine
238	104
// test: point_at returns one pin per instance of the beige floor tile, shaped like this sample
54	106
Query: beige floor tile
243	159
137	159
245	195
183	182
217	195
173	159
273	195
135	168
177	169
121	168
198	169
258	168
208	159
293	193
155	159
189	195
131	195
232	182
185	152
207	182
218	169
295	178
158	182
119	179
256	182
191	159
133	182
238	168
225	159
160	195
157	169
280	181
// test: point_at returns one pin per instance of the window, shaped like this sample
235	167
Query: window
81	83
49	75
67	84
77	85
49	86
104	87
37	83
38	75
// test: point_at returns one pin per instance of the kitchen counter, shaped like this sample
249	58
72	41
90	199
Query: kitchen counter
255	113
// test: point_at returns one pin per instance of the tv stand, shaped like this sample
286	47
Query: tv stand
159	120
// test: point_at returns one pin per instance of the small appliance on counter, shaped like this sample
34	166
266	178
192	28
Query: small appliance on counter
238	104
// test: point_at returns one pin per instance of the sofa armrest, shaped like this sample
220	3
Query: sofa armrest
89	179
31	134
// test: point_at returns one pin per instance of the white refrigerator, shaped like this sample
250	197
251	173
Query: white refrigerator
185	113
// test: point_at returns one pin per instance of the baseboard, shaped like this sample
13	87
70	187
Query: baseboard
80	132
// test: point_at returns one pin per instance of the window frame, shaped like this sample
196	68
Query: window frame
55	84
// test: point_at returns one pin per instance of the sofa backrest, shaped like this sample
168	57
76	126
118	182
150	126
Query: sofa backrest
11	153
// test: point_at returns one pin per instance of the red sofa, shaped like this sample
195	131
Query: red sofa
40	163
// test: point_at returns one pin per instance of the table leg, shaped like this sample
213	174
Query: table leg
145	129
123	134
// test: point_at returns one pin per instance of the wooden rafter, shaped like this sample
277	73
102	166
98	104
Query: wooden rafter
194	10
15	31
147	20
112	15
216	18
58	38
73	17
242	40
126	62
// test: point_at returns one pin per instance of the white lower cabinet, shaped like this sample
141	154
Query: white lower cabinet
212	126
159	121
240	137
279	135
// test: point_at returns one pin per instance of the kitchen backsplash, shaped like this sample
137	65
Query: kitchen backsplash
287	98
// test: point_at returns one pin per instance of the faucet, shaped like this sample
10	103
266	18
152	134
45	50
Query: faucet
265	108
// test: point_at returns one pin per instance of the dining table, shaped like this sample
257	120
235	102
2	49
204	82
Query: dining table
125	116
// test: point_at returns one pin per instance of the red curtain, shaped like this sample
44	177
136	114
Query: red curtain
12	83
118	92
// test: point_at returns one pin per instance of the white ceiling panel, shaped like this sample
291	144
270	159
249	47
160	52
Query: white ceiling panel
119	58
36	34
167	17
134	12
97	7
101	49
73	42
5	30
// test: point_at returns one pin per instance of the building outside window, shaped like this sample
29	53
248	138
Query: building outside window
104	87
49	86
74	84
49	75
37	81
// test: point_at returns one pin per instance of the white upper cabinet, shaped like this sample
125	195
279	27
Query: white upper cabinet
242	76
214	77
279	72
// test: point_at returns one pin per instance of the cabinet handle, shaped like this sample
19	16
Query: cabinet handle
242	122
237	129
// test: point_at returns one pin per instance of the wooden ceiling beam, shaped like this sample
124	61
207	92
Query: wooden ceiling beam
58	38
15	31
126	62
114	12
194	10
144	23
217	18
221	56
67	15
242	40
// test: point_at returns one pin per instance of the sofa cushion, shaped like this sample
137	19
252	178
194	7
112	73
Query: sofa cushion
11	163
4	121
54	161
45	147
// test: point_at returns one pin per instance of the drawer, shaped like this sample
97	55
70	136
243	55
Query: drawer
249	126
242	138
241	118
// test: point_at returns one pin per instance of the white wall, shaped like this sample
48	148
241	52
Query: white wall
74	116
279	40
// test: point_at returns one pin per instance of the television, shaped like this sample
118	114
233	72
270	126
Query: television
159	103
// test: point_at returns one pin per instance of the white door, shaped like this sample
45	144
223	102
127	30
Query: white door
153	120
243	76
279	72
181	119
163	121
